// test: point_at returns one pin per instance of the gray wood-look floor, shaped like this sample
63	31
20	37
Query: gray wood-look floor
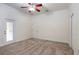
36	47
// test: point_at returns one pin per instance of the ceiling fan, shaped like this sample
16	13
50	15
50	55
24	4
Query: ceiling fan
33	7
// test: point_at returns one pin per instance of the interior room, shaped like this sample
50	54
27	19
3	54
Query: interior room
39	28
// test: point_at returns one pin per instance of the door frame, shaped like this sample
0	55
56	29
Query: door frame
13	21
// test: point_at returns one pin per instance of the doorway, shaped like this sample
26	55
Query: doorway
9	30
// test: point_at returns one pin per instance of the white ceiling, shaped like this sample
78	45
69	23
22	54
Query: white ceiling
49	6
56	6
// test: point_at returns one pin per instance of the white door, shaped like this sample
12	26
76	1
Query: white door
6	30
2	30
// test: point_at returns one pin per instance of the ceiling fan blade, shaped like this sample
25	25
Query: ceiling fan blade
38	5
37	10
24	7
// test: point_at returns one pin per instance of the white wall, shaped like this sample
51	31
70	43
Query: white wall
22	22
74	8
53	26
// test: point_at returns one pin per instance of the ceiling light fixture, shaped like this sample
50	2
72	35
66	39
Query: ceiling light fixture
31	9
